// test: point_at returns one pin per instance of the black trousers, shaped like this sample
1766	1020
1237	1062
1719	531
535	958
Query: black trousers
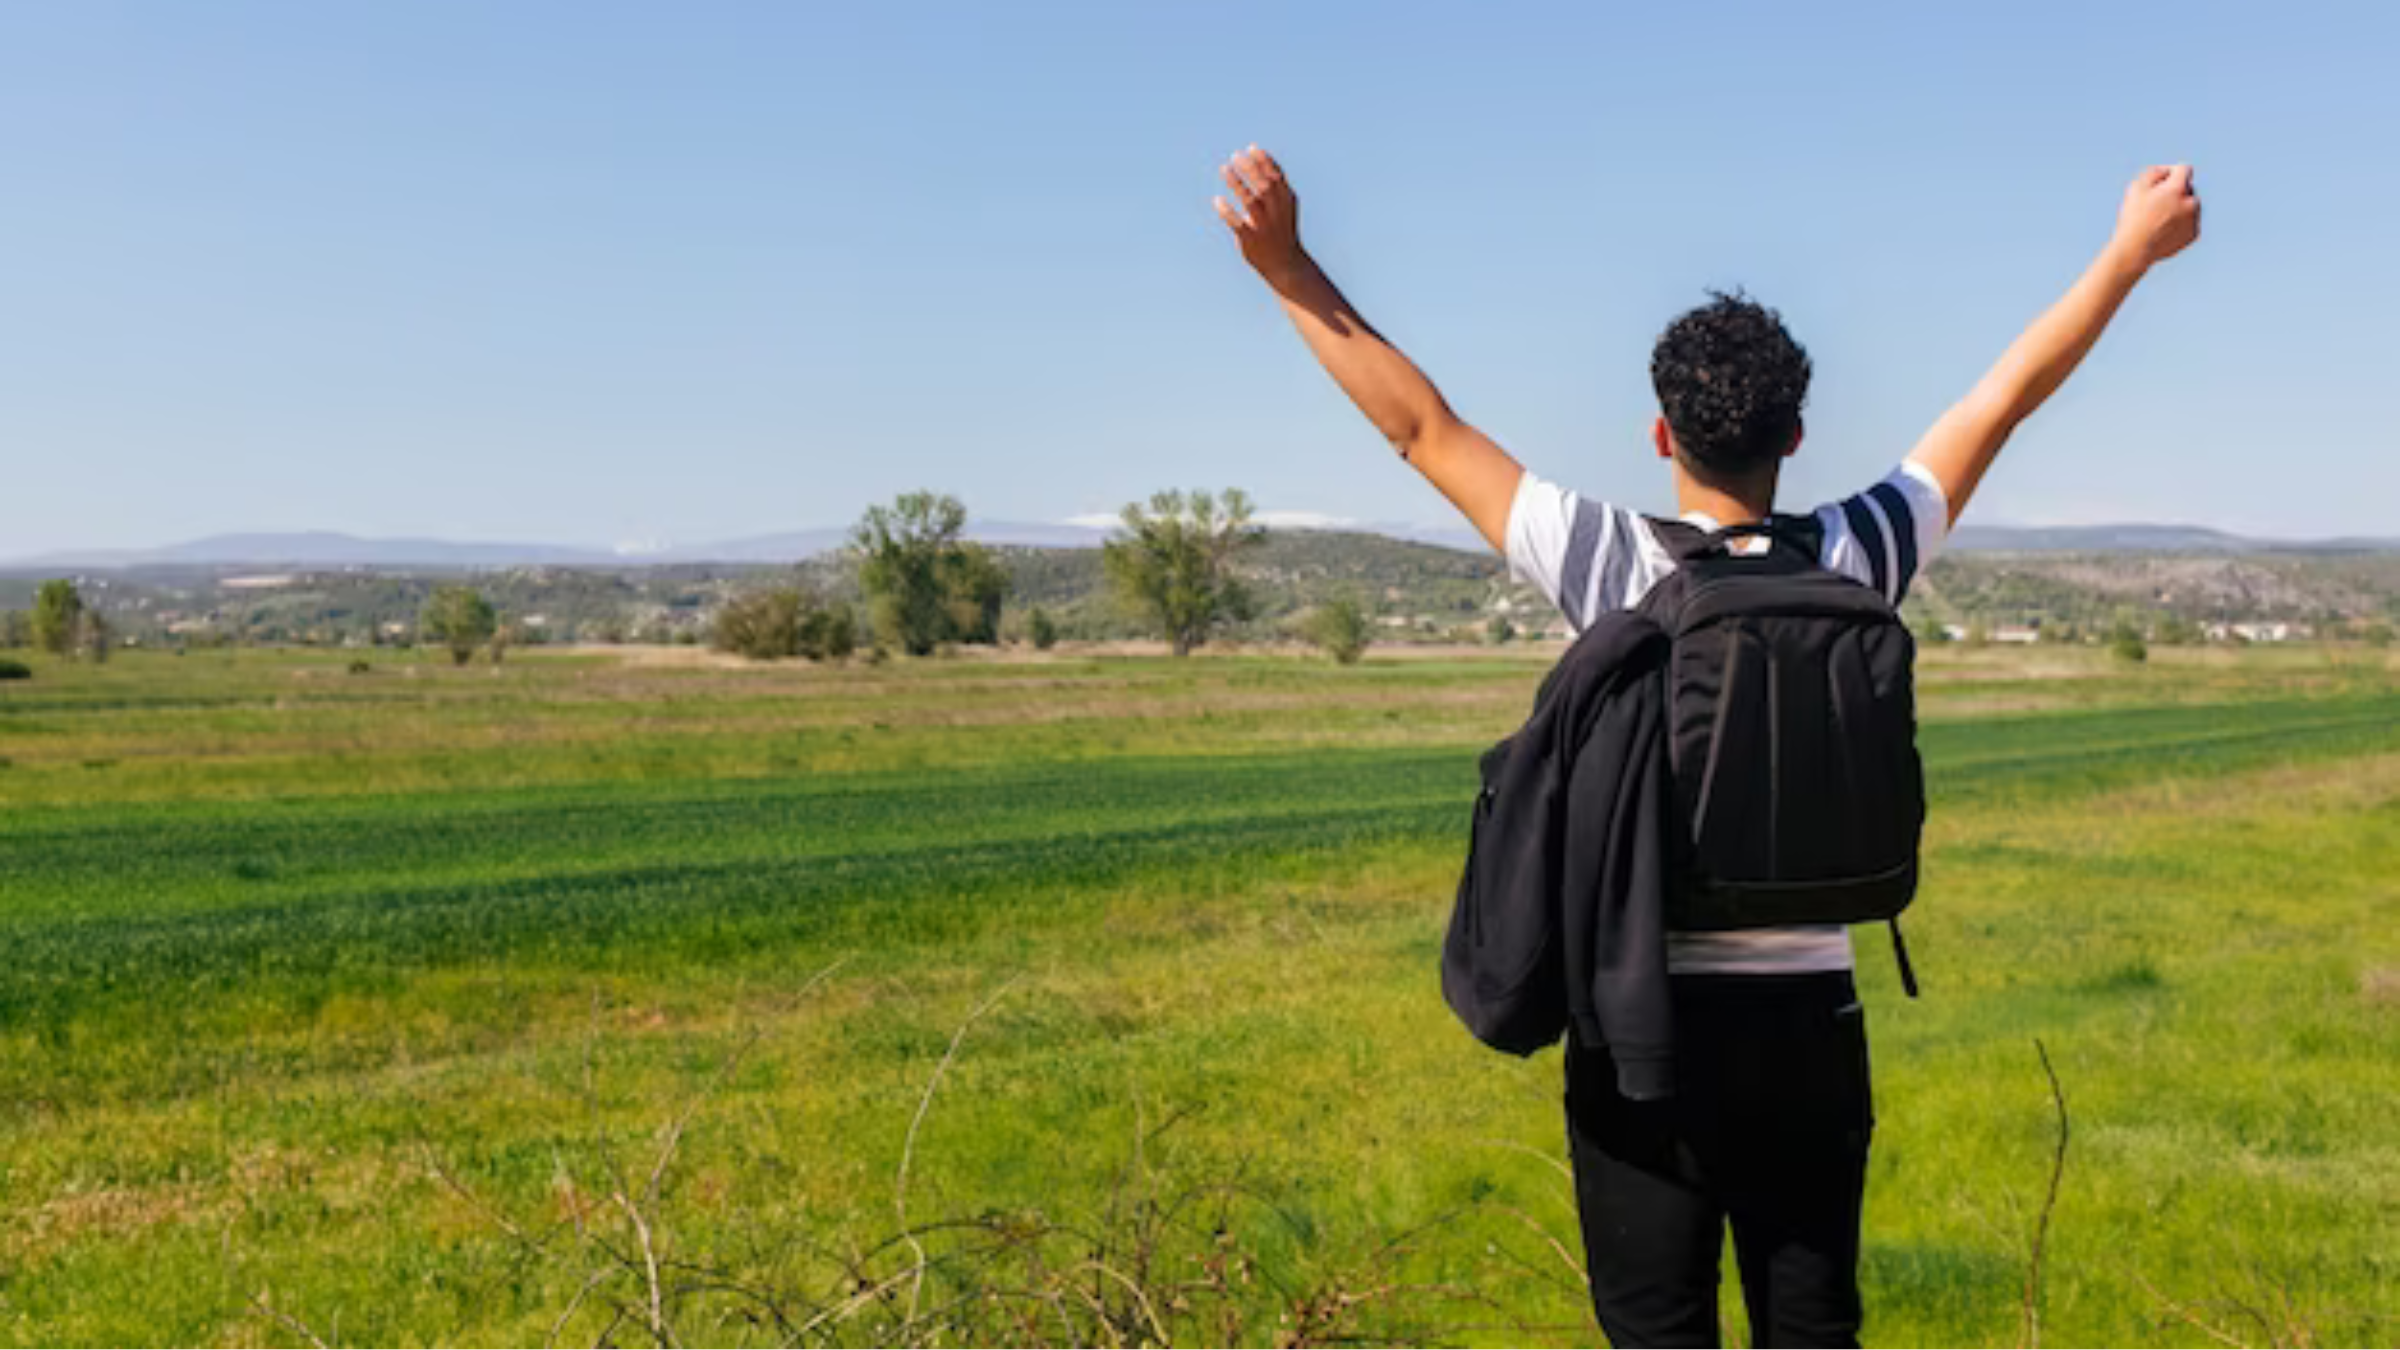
1767	1131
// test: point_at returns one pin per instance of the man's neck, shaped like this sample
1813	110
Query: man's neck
1693	497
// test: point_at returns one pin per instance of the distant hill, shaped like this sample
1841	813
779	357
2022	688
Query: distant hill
2144	539
320	548
800	545
324	548
2098	539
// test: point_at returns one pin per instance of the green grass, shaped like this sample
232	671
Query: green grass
281	939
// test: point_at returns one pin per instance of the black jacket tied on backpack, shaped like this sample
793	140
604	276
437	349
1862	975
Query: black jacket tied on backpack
1738	751
1561	915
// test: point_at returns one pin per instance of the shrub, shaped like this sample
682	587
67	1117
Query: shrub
15	670
762	625
828	633
786	621
1042	629
2125	643
1499	632
1340	629
356	667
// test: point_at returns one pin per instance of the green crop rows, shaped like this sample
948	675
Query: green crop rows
276	936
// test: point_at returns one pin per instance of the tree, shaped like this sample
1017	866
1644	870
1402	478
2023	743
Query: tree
1042	629
1340	629
2376	634
16	628
459	618
93	636
1499	631
927	585
973	585
57	617
1175	564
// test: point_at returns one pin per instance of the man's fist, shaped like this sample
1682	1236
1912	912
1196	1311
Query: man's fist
2161	214
1263	214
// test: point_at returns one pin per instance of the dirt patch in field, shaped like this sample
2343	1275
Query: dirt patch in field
113	1213
2380	987
676	658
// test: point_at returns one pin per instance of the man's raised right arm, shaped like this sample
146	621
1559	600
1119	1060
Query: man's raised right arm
1478	477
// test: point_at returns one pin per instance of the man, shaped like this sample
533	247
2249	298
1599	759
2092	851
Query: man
1768	1130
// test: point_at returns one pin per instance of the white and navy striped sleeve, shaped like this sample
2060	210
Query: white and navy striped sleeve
1886	535
1584	556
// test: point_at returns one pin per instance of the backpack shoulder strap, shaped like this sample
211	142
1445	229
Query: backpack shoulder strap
1806	533
1682	540
1685	541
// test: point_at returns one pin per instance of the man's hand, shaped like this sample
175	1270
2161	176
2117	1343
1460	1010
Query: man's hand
1477	476
1264	216
2161	214
2160	218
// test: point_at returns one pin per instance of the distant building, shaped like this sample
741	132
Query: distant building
2250	632
2017	633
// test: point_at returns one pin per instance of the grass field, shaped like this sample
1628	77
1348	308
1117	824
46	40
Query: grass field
1081	997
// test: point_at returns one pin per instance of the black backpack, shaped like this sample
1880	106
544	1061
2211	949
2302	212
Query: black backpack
1792	735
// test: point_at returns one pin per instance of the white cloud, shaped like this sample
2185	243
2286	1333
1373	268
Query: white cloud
1302	520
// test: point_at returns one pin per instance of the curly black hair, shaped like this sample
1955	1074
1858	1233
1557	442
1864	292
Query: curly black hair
1731	382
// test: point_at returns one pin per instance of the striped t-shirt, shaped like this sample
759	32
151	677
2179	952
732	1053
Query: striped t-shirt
1588	558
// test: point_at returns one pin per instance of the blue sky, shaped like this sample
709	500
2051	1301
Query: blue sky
594	273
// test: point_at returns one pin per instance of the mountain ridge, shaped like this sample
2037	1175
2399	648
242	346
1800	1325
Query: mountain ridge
327	548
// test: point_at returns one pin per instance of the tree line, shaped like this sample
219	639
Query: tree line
1175	563
1175	566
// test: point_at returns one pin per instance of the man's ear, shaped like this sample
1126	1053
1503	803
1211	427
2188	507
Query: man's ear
1799	430
1662	438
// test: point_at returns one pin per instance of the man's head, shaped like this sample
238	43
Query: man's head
1730	385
